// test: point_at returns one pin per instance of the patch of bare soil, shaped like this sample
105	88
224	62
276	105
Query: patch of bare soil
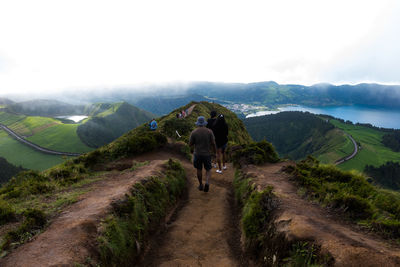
299	219
70	238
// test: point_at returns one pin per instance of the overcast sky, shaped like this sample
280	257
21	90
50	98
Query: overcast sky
55	45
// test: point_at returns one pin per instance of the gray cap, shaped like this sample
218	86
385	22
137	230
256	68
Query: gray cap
201	121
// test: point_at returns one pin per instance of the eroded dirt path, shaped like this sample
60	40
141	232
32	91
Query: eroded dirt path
300	219
71	237
203	232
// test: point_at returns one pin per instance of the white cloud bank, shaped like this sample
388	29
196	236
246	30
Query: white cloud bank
53	45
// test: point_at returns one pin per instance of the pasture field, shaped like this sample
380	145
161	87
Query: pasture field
22	155
60	137
372	151
46	132
9	118
338	146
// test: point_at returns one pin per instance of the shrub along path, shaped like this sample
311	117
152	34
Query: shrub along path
299	219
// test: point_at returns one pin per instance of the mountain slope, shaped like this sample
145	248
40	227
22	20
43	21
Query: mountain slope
297	134
7	170
110	121
45	107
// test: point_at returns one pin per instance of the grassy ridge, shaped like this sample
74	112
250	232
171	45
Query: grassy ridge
169	123
372	152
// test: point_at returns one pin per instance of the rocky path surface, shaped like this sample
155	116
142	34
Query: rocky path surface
300	219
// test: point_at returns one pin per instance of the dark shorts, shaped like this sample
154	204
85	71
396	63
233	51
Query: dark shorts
200	160
223	147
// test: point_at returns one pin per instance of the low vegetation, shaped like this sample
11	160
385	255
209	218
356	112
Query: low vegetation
253	153
261	240
350	194
138	215
135	142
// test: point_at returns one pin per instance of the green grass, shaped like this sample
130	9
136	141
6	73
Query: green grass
22	155
372	152
60	137
351	195
8	118
338	146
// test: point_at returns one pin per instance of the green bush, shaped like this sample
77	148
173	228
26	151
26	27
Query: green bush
7	213
27	183
254	153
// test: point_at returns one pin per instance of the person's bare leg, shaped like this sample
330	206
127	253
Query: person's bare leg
200	176
219	159
223	159
208	176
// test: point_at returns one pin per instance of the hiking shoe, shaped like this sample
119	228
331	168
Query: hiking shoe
224	168
206	187
219	171
201	187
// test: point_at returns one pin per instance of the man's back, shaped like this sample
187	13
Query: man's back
203	139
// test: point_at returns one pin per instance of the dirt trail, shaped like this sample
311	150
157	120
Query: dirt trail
200	234
203	233
300	219
70	237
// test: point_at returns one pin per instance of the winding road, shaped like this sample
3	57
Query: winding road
34	146
340	161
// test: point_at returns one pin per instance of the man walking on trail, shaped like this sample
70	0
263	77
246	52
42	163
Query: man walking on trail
202	139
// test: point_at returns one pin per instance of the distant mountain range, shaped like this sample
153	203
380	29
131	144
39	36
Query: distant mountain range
162	99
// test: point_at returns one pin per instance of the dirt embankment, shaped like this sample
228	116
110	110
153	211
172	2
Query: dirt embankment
299	219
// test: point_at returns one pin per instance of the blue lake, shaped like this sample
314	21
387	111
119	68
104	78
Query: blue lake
387	118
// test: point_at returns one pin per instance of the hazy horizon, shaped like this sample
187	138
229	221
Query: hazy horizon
53	46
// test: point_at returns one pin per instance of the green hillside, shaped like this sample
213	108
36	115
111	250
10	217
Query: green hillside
298	134
21	155
110	121
170	124
46	132
373	152
44	107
